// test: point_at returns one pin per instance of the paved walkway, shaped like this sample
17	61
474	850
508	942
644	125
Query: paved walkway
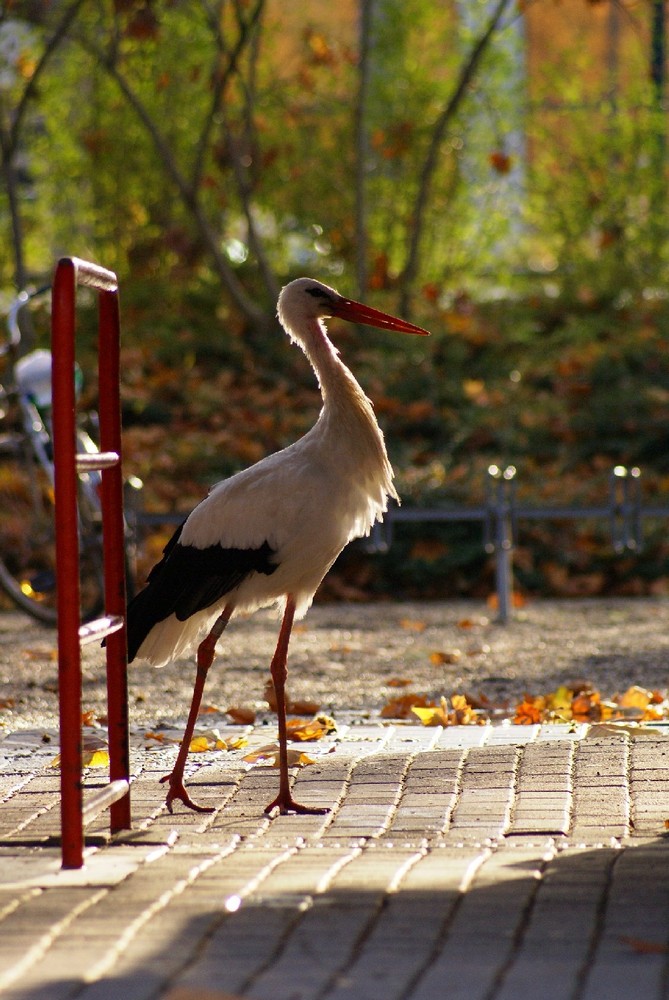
491	863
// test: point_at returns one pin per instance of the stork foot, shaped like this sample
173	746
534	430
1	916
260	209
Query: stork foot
285	805
178	791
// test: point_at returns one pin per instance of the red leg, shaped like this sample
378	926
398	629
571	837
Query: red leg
284	802
205	656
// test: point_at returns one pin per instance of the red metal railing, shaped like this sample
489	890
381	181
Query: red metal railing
71	272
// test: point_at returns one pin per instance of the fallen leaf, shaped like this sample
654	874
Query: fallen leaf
302	707
7	702
635	697
241	716
530	711
198	993
294	707
644	947
161	738
269	755
411	625
206	741
458	711
467	623
95	758
440	657
517	601
400	708
399	682
90	757
315	729
434	716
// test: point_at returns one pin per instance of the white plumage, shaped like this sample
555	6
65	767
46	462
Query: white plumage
270	533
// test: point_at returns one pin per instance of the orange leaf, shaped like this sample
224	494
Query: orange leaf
160	737
411	625
316	729
644	947
302	707
438	658
500	162
529	712
468	623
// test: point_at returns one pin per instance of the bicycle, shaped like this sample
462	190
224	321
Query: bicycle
27	534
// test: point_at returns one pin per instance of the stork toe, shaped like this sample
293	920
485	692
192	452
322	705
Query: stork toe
177	791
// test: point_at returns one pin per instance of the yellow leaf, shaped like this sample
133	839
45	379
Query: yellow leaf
200	744
635	697
209	740
435	716
89	758
401	707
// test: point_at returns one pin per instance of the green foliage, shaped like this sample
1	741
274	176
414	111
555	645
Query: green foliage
207	152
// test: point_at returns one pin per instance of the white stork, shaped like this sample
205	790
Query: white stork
269	534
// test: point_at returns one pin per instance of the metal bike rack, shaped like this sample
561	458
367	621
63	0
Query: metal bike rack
500	514
72	635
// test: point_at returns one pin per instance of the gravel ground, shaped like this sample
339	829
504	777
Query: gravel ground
343	657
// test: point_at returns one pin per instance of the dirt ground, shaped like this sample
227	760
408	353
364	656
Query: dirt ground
344	656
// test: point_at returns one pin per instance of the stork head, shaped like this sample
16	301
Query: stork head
306	301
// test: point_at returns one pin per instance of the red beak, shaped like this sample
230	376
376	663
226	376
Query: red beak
356	312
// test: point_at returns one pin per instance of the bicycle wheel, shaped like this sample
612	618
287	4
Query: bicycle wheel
27	537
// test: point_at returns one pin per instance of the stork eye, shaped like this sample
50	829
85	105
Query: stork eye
319	293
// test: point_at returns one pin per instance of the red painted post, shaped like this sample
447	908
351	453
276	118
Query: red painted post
116	795
113	528
67	562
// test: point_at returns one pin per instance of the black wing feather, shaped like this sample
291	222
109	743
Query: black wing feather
188	580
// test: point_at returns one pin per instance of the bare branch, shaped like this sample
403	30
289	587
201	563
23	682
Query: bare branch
50	47
432	158
188	191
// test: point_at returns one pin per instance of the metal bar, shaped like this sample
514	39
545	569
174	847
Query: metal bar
437	514
99	629
104	798
92	275
96	460
113	536
67	562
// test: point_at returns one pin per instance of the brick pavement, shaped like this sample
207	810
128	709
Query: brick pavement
491	863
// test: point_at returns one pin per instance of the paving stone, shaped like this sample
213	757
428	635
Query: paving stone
462	862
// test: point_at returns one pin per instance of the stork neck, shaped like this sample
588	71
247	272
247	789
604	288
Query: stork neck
338	386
